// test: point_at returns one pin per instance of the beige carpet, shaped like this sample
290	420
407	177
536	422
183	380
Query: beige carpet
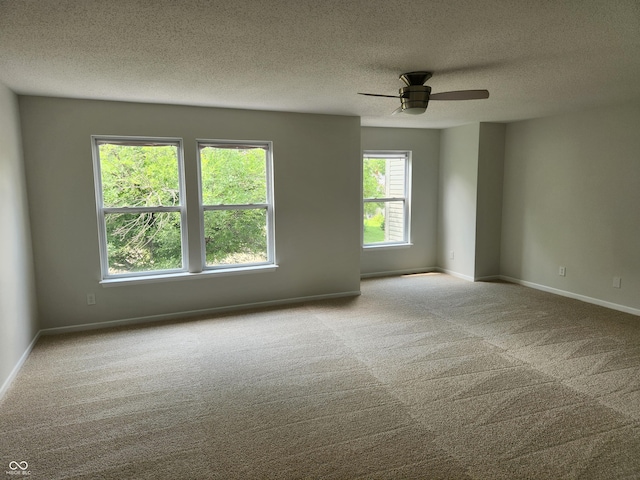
423	376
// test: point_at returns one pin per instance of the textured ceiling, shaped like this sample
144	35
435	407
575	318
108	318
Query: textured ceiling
536	57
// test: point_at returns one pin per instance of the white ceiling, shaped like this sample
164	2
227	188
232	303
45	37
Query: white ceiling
536	57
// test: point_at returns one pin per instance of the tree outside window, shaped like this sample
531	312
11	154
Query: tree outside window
143	219
236	203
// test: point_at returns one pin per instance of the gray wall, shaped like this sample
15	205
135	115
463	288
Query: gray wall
18	322
459	148
470	200
572	198
489	200
425	146
317	204
569	194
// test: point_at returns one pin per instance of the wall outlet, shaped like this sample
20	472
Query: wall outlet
91	298
617	282
562	271
452	254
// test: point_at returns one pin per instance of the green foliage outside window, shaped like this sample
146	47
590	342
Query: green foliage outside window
234	176
141	176
148	176
373	186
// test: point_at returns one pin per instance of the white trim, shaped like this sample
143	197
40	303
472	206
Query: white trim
377	246
242	206
267	146
384	154
455	274
575	296
408	193
101	210
180	275
134	210
14	373
487	278
383	199
154	318
390	273
405	155
193	313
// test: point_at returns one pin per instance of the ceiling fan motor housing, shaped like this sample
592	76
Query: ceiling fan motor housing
414	98
415	78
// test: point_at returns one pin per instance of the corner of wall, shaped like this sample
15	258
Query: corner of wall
489	199
18	317
457	199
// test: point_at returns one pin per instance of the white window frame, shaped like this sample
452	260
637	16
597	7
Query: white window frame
191	267
268	206
405	199
101	210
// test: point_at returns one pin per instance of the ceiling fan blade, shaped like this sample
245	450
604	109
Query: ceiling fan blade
397	111
378	95
460	95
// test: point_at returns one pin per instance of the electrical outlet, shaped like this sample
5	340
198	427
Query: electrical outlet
562	271
452	254
91	298
617	282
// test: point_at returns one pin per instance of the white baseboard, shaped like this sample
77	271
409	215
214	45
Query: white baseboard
7	383
393	273
193	313
488	278
575	296
455	274
154	318
468	278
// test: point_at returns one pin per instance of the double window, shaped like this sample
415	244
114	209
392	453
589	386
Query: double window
142	215
386	177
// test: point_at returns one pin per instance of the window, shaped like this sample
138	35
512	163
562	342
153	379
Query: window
140	200
385	185
142	215
237	213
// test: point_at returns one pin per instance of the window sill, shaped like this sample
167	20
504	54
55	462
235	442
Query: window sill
172	277
384	246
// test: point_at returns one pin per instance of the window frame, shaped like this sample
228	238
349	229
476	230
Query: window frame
101	210
190	219
268	205
406	155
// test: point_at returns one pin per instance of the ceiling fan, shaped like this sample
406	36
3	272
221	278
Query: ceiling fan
415	97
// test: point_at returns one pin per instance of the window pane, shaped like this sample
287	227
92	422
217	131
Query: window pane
383	177
374	177
139	176
395	177
232	176
143	242
383	222
235	236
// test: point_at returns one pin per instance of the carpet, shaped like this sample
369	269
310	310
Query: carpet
422	376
